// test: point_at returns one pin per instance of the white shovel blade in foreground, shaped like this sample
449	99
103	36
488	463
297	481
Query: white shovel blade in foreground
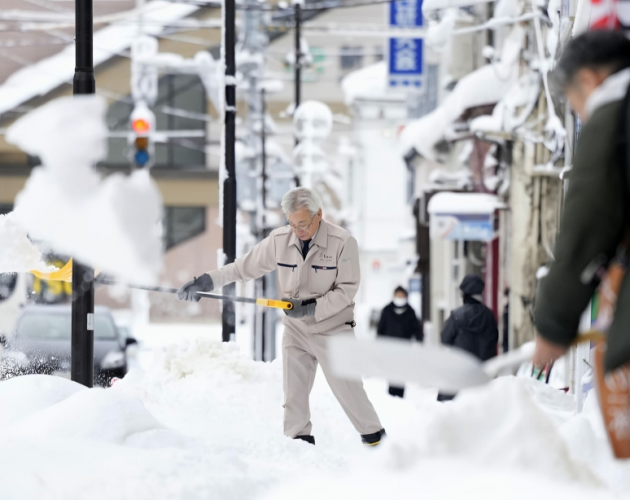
398	361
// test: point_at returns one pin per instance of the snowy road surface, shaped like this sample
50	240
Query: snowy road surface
202	421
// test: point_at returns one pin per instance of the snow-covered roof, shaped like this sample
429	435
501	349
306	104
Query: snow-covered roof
48	74
369	83
486	85
463	203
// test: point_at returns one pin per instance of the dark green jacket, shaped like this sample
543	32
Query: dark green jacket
592	225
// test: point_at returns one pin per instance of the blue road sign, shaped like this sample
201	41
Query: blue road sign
406	64
405	55
405	14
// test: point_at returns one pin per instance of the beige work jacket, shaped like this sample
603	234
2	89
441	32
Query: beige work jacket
330	273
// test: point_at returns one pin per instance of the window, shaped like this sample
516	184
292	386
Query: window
182	224
351	57
379	53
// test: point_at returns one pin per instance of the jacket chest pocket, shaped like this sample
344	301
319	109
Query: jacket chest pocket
286	277
322	279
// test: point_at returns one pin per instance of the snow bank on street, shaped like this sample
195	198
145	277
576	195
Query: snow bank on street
204	421
111	223
21	256
105	415
21	397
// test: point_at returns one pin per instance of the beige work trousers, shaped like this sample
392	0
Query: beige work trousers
302	351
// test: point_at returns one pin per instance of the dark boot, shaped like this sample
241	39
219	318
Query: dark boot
445	397
308	439
373	439
398	392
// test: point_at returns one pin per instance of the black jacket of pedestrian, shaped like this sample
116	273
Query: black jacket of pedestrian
473	328
399	322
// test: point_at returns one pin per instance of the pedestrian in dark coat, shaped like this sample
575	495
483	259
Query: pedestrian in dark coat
399	320
471	327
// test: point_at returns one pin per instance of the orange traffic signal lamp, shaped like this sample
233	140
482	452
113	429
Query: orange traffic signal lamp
140	126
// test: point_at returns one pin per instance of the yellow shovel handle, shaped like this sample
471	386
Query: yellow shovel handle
278	304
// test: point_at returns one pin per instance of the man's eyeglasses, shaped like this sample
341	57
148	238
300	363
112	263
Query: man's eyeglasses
301	227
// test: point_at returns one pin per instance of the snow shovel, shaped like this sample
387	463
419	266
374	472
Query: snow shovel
276	304
446	368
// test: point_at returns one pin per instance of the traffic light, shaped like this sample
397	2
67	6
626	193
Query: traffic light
142	125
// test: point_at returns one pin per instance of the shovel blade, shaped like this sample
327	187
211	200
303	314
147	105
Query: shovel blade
399	362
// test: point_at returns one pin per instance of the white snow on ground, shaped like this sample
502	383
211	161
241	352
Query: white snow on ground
204	421
21	255
111	223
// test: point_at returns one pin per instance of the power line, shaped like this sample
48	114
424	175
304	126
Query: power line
315	6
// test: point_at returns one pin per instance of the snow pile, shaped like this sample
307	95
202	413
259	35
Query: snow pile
23	396
111	223
514	109
463	203
20	255
501	425
105	415
486	85
369	83
204	421
492	442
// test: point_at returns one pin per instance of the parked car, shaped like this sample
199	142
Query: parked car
40	343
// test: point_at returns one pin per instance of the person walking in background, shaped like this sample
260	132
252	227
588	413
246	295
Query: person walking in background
471	327
398	320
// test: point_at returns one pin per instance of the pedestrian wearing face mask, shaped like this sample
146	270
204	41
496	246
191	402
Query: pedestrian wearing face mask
399	320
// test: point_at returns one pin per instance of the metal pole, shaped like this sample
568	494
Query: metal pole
298	55
263	220
229	184
82	341
298	67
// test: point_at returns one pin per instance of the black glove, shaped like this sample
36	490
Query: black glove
301	308
201	284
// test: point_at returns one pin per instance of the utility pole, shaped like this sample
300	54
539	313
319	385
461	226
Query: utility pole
298	54
298	66
229	183
82	342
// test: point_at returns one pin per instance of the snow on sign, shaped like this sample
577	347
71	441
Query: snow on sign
405	55
463	216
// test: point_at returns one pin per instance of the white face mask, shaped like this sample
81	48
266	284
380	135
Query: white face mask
400	301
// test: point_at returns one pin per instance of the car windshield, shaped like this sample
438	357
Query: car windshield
49	326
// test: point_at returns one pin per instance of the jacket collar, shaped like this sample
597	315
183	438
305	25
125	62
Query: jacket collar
321	238
613	89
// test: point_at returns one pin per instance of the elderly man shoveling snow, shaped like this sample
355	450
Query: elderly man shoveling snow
318	270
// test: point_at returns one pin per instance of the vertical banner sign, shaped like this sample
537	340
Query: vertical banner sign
405	55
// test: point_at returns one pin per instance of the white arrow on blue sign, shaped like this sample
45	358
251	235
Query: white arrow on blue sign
405	55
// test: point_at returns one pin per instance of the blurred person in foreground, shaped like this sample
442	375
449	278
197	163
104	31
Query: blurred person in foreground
594	73
471	327
399	320
318	271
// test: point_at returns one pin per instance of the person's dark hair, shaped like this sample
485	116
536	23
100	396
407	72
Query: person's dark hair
402	290
596	50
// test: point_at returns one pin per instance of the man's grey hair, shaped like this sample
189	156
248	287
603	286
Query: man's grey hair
299	198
